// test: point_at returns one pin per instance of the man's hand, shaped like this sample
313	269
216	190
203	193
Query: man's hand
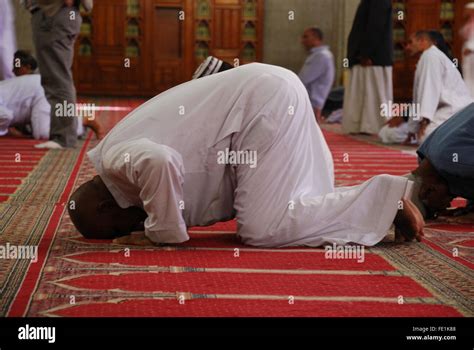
422	131
410	138
138	239
408	223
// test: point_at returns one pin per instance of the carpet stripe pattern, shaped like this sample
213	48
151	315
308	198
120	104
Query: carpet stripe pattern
215	275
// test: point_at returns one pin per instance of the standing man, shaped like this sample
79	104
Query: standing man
318	70
370	54
56	24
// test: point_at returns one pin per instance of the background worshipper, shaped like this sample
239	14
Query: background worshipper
23	111
370	54
318	71
7	39
446	166
54	34
438	92
467	33
24	63
23	104
156	177
211	65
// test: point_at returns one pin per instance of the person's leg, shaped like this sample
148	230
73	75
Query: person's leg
54	40
289	198
378	92
353	101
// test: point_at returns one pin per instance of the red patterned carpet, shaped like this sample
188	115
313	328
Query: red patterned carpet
214	274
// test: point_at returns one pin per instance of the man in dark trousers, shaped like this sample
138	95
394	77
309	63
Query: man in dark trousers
56	24
370	55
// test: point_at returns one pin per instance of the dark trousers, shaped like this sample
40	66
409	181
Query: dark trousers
54	39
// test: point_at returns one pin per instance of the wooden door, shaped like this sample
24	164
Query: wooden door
108	44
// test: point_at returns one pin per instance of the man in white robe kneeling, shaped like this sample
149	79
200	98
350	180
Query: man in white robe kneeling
240	144
438	93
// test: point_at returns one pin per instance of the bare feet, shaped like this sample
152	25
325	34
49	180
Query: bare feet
408	223
138	239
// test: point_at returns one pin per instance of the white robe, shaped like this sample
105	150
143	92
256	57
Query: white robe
7	40
368	89
438	90
163	157
23	102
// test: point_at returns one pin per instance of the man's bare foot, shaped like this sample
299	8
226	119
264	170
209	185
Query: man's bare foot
408	222
134	239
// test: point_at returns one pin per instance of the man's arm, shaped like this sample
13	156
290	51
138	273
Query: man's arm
157	172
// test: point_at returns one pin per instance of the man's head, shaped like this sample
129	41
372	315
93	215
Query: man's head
23	63
434	190
312	37
419	42
96	214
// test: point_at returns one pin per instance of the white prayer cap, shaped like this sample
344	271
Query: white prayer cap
211	65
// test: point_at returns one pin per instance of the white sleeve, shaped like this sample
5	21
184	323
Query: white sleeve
6	117
428	86
158	174
40	118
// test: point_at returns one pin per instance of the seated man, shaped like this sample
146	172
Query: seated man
447	162
438	92
243	144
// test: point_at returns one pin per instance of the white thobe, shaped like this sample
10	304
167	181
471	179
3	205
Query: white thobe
368	89
7	40
23	102
439	90
164	156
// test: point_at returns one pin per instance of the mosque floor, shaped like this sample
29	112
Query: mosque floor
214	274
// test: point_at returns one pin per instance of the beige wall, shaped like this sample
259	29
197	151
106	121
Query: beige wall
23	27
282	36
